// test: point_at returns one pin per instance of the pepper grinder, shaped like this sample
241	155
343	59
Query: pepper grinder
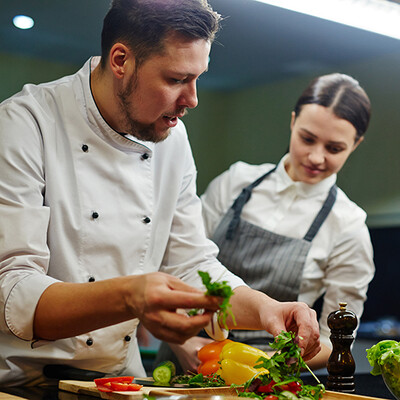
341	365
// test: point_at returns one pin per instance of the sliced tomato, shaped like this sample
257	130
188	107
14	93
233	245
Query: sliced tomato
122	379
105	384
271	397
125	387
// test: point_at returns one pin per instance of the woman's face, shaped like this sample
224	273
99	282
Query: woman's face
320	144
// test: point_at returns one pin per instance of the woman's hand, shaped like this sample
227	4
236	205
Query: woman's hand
187	353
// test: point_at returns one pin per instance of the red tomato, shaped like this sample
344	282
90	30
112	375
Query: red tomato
266	388
211	350
208	367
105	384
271	397
124	387
123	379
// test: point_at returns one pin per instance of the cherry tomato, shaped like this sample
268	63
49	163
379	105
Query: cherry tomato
266	388
294	386
208	367
211	350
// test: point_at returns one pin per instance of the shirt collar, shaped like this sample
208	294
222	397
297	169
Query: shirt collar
97	122
303	189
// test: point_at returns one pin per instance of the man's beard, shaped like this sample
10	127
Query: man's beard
146	132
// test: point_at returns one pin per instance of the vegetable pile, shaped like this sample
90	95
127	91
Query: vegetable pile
282	379
384	358
252	371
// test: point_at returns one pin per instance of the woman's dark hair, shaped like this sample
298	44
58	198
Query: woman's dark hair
344	95
142	25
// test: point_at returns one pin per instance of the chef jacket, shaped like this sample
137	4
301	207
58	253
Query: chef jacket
80	202
340	260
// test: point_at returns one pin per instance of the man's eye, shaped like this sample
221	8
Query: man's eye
178	80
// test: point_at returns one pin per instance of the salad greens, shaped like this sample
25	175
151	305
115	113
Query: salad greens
383	353
199	380
282	381
384	358
219	289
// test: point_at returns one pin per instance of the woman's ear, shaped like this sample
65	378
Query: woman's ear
360	139
292	120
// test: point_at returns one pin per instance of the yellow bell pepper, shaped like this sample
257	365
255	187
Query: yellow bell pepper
237	361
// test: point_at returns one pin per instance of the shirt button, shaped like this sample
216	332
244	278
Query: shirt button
146	220
145	156
89	342
85	148
95	215
92	279
127	338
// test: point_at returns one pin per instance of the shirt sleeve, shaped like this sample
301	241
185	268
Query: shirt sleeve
24	255
349	271
188	249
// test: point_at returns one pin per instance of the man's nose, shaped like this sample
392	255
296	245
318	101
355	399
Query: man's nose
189	96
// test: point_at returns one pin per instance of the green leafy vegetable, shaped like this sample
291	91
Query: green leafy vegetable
384	358
384	352
199	380
219	289
283	378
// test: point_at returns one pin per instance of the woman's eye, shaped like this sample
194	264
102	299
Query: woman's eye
334	150
307	139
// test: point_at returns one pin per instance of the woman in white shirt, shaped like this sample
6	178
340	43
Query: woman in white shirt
287	229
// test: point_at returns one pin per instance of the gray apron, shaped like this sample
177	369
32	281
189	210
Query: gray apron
266	261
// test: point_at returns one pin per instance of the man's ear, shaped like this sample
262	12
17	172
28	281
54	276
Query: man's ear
120	56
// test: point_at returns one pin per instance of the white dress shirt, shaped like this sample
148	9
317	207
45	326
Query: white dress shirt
80	202
340	261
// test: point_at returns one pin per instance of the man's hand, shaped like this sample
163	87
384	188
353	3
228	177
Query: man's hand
155	299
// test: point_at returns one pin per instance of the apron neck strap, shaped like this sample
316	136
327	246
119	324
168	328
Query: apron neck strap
323	213
240	201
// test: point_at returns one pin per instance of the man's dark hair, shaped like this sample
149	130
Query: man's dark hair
142	25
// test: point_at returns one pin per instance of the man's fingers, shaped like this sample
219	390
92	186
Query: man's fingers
177	328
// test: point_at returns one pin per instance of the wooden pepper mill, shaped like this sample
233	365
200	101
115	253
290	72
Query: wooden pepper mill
341	365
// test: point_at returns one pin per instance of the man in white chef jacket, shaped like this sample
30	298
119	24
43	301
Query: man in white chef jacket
100	225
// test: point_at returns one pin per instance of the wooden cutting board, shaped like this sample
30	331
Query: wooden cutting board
6	396
89	388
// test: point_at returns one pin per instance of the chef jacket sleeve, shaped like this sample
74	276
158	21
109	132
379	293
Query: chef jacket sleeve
24	255
350	269
188	249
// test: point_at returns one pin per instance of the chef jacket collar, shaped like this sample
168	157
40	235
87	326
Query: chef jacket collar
302	189
97	122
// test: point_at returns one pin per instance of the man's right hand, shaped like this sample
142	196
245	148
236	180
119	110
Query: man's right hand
157	296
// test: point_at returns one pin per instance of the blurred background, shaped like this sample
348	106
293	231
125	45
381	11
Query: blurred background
261	61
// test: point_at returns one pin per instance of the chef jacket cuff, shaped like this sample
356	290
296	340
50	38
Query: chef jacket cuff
21	304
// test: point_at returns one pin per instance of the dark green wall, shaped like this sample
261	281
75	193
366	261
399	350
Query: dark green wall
253	125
